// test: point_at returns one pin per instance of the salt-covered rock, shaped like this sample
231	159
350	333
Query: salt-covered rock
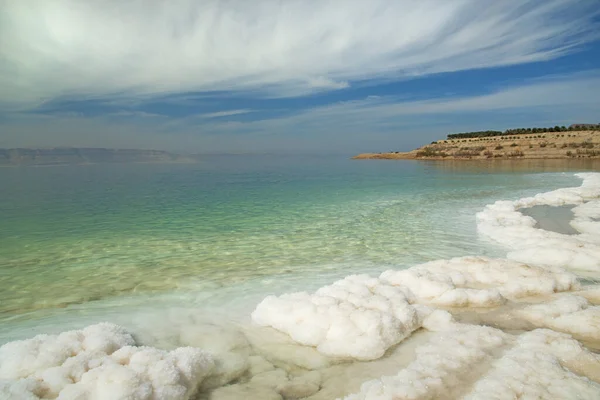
280	349
478	281
503	223
357	317
258	365
587	217
568	313
271	379
301	386
244	391
542	365
439	366
99	362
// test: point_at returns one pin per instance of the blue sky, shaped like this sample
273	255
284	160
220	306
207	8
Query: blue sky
332	76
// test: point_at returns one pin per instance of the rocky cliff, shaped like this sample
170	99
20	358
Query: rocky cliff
548	145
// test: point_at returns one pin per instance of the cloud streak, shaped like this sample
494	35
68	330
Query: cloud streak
375	123
98	49
228	113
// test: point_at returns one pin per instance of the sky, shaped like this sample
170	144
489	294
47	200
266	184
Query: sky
260	76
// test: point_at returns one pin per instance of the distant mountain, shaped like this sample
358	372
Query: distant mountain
74	155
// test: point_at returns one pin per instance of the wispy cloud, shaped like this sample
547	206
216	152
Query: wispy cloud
374	123
71	48
555	91
221	114
135	114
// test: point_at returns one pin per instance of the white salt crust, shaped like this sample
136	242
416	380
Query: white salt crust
357	317
438	366
587	217
482	363
568	313
98	362
503	223
361	317
543	364
478	281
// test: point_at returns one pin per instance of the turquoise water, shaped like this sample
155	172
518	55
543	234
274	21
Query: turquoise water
106	240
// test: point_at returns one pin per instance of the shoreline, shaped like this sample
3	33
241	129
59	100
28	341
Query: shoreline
474	313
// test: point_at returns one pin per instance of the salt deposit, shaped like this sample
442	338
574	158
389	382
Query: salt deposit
440	365
357	317
568	313
475	362
541	365
361	317
503	223
478	281
98	362
587	217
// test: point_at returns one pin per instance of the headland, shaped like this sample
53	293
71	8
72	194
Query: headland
508	145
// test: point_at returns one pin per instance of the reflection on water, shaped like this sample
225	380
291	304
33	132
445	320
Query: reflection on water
518	166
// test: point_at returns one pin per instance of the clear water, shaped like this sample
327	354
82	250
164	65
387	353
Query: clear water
80	244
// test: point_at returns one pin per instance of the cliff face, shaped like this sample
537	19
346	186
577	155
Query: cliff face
66	156
548	145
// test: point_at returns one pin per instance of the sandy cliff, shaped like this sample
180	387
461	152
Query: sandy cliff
548	145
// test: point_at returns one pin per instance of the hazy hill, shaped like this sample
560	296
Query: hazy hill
66	156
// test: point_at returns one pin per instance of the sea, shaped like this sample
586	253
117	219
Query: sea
131	243
90	242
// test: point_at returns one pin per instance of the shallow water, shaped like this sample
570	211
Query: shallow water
182	257
552	218
107	239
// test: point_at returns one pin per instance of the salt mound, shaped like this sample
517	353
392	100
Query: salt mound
542	365
478	281
441	365
503	223
361	317
462	362
357	317
587	217
98	362
568	313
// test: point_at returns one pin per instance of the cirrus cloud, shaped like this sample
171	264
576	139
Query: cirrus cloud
95	49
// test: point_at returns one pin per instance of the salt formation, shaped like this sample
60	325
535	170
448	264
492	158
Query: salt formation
459	356
361	317
357	317
503	223
439	365
568	313
478	281
181	327
98	362
542	365
587	217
